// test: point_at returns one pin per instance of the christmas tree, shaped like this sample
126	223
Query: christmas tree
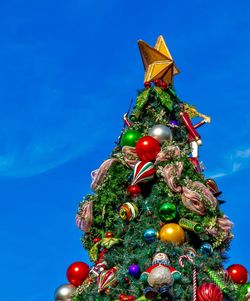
153	227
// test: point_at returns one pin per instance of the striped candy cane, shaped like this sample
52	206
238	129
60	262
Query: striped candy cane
188	258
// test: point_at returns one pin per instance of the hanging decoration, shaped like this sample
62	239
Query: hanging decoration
147	148
194	273
106	279
238	273
172	233
64	292
128	211
130	137
143	172
77	272
209	292
161	133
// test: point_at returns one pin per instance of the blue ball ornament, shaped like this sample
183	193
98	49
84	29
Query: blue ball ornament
134	270
206	249
150	235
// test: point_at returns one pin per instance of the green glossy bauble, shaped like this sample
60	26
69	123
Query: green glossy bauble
130	137
167	212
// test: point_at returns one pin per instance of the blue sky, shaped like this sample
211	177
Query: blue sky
68	72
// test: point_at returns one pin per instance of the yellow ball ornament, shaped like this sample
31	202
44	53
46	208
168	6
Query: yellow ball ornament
172	233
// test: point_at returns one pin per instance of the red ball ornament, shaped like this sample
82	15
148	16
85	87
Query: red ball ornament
238	273
77	272
147	148
158	82
147	85
109	234
164	85
134	190
209	292
96	239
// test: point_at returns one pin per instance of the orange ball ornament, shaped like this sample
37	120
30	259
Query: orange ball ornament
172	233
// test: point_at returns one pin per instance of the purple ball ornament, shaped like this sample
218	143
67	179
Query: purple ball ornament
134	270
173	123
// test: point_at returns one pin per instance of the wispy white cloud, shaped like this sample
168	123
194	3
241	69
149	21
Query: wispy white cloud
234	162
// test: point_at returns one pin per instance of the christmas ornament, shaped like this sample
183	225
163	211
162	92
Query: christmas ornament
128	211
130	137
161	133
213	187
134	191
96	240
209	292
167	212
190	225
106	279
123	297
64	292
194	273
190	252
161	258
173	123
172	233
147	148
84	216
147	85
143	172
238	273
158	82
217	280
164	85
77	272
134	270
109	234
157	61
160	275
150	235
206	249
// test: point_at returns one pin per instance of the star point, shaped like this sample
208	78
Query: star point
158	62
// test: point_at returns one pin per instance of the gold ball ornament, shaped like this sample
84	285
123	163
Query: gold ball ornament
172	233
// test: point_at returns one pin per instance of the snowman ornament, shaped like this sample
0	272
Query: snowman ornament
160	277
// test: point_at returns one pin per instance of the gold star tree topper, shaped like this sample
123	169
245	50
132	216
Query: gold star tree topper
157	61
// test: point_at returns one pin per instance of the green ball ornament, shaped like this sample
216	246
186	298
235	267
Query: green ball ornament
167	212
130	138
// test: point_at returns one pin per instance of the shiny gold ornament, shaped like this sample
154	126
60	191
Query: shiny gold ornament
157	61
172	233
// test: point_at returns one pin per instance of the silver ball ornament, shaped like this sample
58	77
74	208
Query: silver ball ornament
161	133
64	292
